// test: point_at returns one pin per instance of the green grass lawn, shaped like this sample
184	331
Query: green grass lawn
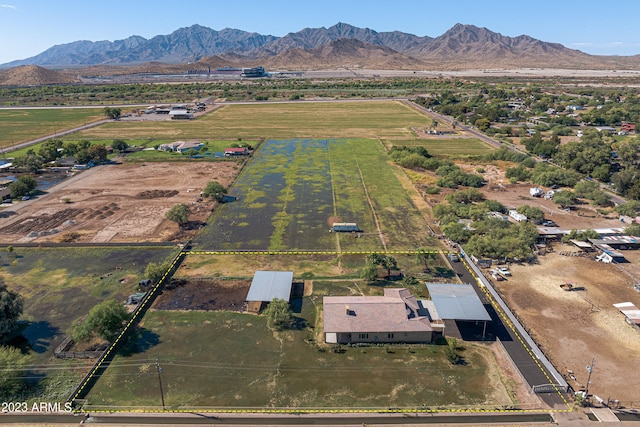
231	360
372	119
27	124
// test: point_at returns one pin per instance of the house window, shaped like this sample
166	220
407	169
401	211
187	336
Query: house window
389	336
363	336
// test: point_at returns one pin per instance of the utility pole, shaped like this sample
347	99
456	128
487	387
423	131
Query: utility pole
590	368
159	369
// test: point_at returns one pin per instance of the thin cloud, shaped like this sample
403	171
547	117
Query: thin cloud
8	6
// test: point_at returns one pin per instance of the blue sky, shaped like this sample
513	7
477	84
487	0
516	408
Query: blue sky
28	27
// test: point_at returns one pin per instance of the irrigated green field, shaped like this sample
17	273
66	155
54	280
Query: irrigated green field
357	119
447	147
231	360
27	124
292	191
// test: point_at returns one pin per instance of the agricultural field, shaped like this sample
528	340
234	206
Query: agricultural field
231	360
445	146
22	125
355	119
60	286
292	191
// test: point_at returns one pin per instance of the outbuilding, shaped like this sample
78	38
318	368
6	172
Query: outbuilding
346	227
457	302
266	286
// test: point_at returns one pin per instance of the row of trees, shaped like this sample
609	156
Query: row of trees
54	149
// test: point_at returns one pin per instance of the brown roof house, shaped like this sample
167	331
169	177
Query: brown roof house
396	317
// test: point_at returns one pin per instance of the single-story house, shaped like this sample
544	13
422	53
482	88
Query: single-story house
236	151
396	317
267	285
181	146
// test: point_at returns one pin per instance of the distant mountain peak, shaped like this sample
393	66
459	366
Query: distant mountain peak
462	46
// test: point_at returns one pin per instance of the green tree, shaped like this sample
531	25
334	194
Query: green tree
119	145
154	271
12	371
424	256
98	153
215	190
11	304
70	149
112	113
278	314
369	273
385	261
180	214
23	186
631	208
564	198
31	162
633	230
49	150
452	351
105	320
483	124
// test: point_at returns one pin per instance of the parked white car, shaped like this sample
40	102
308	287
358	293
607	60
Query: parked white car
496	275
504	271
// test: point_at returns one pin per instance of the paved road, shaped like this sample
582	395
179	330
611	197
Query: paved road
278	420
521	354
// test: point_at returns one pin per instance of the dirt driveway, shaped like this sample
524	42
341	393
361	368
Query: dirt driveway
117	203
574	326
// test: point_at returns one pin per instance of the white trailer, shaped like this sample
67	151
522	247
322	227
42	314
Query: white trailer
517	216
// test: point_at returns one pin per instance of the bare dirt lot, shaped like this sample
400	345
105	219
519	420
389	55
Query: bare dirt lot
574	326
228	295
116	203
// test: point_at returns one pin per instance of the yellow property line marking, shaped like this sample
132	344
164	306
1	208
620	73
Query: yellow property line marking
326	411
265	252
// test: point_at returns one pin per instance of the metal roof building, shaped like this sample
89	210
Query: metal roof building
457	302
266	286
631	312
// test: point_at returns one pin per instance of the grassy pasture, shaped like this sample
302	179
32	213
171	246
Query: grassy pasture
293	190
231	360
27	124
61	285
447	147
357	119
323	267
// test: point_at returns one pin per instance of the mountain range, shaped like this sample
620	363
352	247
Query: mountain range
342	45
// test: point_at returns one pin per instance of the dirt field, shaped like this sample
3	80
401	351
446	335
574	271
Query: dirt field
116	203
574	326
228	295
